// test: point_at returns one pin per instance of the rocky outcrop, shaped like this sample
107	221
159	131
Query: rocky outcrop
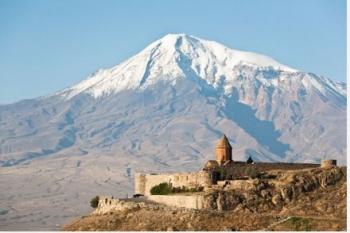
265	194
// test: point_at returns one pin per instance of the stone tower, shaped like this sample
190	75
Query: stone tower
223	150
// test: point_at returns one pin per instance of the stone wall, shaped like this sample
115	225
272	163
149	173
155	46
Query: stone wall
255	194
178	200
110	204
144	182
107	204
238	169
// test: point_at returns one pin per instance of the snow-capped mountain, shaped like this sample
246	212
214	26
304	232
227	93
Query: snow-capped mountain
180	56
164	109
170	58
270	110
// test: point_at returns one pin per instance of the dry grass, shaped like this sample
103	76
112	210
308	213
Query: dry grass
310	224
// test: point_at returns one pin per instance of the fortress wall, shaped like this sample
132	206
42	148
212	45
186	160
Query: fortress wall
185	201
144	182
107	204
239	169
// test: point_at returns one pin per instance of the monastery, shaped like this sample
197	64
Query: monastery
225	184
222	171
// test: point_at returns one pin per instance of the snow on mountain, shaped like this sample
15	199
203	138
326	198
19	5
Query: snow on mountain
170	58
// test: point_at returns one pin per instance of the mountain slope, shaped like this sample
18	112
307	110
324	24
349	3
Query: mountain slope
164	109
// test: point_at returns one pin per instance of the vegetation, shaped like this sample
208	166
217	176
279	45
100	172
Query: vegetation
250	160
184	189
161	189
300	224
94	202
166	188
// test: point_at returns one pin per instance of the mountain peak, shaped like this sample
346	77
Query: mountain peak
170	42
177	36
174	36
189	42
172	57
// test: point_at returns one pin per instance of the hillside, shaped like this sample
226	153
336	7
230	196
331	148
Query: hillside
322	209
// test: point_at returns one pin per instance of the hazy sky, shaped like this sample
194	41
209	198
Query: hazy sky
48	45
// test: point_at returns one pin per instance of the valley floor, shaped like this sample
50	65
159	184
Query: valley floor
49	192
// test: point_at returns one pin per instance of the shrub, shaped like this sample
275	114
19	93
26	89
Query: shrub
301	224
176	190
184	189
250	160
165	188
94	202
161	189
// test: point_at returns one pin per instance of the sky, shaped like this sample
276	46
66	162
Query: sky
48	45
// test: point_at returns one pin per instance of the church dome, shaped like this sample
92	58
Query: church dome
210	165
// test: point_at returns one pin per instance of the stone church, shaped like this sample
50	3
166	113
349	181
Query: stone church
223	169
220	169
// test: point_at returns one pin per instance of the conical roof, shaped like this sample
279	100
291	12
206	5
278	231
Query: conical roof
223	143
